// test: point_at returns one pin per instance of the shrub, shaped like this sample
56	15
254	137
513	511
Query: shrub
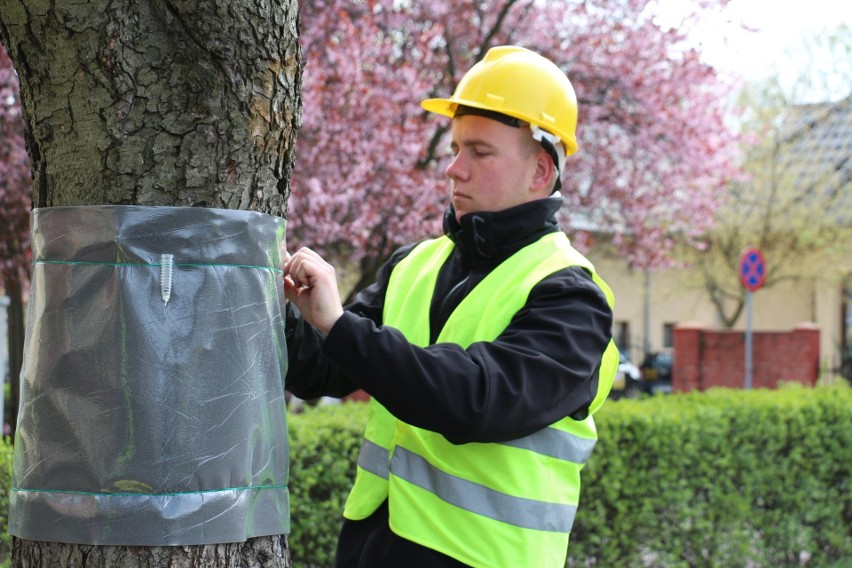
324	444
714	479
6	450
721	478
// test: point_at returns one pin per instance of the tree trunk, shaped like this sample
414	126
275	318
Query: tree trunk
158	102
265	552
15	316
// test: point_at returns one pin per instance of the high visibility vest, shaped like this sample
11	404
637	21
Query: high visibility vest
486	504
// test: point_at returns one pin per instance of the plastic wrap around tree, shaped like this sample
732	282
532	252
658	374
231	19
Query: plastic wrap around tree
152	403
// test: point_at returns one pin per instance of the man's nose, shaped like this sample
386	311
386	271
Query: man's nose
456	168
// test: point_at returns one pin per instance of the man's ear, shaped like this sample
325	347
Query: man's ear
543	178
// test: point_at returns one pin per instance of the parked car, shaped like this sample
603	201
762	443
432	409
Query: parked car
656	371
626	380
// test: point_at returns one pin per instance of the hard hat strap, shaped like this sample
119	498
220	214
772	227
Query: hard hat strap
553	146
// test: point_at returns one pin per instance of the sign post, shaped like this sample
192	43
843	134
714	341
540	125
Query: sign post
4	358
752	270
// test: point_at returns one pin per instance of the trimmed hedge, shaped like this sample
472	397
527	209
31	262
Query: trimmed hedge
6	450
721	478
715	479
324	444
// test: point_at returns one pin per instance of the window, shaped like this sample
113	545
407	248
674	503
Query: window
668	334
621	335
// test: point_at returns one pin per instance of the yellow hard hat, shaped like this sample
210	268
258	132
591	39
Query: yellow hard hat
520	83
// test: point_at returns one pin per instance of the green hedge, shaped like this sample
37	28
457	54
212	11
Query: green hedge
717	479
324	444
722	478
5	484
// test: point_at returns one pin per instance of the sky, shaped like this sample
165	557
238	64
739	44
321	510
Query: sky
775	46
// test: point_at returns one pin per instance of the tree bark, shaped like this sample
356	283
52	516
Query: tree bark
265	552
158	102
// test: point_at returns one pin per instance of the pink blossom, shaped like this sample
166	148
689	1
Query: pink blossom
15	183
655	153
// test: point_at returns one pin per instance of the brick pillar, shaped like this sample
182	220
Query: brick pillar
686	369
806	336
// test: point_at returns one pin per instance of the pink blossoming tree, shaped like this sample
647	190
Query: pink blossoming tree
654	149
15	180
15	204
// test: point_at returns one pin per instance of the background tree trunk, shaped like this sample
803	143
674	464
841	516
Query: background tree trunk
15	317
158	102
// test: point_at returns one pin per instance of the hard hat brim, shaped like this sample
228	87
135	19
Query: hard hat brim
446	107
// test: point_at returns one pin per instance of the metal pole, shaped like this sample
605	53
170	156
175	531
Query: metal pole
4	360
646	314
748	361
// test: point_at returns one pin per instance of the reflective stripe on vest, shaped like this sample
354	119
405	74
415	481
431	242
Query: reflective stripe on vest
557	444
371	474
548	442
517	497
476	498
371	483
373	458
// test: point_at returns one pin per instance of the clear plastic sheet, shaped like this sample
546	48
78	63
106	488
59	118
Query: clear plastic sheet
152	403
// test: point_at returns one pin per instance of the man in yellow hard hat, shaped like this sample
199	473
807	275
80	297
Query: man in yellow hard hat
486	351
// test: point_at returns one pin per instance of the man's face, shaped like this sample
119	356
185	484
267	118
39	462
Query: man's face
493	167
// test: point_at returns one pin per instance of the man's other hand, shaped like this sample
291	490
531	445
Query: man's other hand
311	284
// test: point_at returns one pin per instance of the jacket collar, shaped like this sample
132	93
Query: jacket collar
487	235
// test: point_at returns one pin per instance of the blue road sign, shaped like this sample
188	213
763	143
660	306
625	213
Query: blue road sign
752	268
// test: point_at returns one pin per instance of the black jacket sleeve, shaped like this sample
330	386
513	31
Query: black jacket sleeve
310	374
542	368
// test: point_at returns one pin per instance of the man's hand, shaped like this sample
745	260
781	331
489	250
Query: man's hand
311	284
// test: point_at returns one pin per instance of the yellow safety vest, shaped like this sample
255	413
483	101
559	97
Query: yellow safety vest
485	504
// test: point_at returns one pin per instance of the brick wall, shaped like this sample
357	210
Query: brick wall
705	358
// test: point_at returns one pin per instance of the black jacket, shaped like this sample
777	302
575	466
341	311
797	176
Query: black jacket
542	368
539	370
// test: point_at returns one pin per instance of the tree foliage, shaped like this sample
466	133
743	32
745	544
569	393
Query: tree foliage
828	72
654	149
793	202
15	182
